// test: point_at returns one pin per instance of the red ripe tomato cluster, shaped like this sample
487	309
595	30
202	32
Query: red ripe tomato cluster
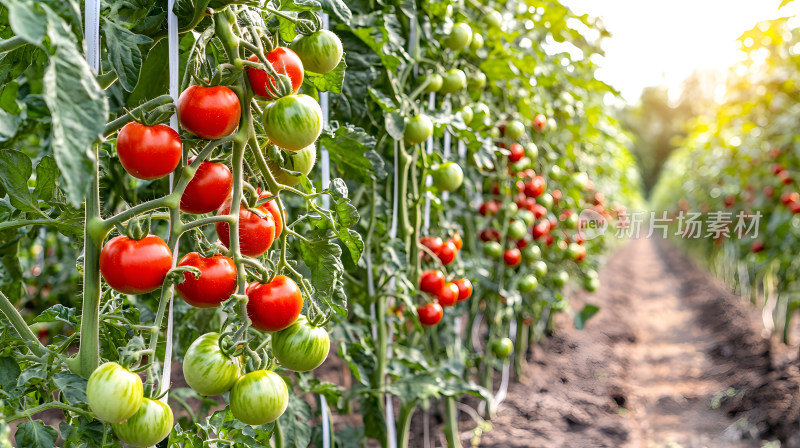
445	294
444	250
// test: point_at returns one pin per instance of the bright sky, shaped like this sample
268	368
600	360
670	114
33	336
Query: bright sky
655	41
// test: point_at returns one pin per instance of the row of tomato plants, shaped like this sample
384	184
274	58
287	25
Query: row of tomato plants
746	153
466	154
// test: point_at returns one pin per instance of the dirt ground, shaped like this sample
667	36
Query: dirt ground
672	359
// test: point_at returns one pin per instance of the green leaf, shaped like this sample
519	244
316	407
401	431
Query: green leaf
331	81
73	387
79	111
15	170
395	125
26	21
46	173
32	376
35	434
324	259
9	373
151	82
351	150
338	8
586	313
294	423
124	53
58	313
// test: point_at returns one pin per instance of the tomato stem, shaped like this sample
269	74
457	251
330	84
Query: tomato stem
16	320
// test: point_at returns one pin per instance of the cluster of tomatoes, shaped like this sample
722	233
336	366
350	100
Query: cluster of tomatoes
433	282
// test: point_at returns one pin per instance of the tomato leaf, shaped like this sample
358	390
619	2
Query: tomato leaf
15	170
72	386
584	315
338	8
35	434
124	53
46	174
26	21
294	423
9	373
331	81
351	149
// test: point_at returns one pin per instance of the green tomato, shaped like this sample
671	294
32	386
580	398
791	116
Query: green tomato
522	164
259	397
492	249
527	284
494	133
527	217
418	129
515	129
150	425
454	81
556	173
477	42
293	122
435	83
591	284
301	347
501	348
477	81
572	221
532	253
531	151
546	200
320	52
460	37
298	161
510	209
114	393
517	230
493	19
560	279
481	114
573	251
448	176
466	114
207	370
539	268
591	273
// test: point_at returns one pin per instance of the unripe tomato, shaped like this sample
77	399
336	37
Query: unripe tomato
493	19
447	253
576	252
512	257
301	347
435	83
546	200
135	266
457	241
430	314
209	112
515	129
448	295
216	284
466	114
150	425
539	268
517	230
454	81
477	42
527	217
460	37
298	161
256	234
527	284
480	113
285	62
531	151
464	289
532	253
431	281
293	122
591	284
539	122
207	369
560	279
448	176
476	82
418	129
259	397
501	348
275	305
114	394
320	52
492	249
210	186
148	152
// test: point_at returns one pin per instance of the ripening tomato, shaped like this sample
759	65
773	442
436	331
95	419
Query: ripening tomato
517	153
514	130
512	257
210	186
114	393
293	122
447	253
541	229
209	112
448	295
275	305
259	397
285	62
539	122
135	266
487	235
457	241
256	234
150	425
418	129
302	347
788	198
320	52
431	281
148	152
216	284
489	208
207	369
464	289
430	314
298	161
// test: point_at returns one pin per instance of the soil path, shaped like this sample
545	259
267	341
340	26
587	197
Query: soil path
671	360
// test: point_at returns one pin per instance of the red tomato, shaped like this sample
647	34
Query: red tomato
285	62
730	200
517	153
788	198
464	289
489	235
274	210
512	257
148	152
434	243
274	306
255	233
769	191
535	187
216	283
135	266
431	281
539	122
757	246
430	314
777	168
489	208
539	211
447	253
457	241
556	196
786	177
209	188
540	229
209	112
448	295
795	207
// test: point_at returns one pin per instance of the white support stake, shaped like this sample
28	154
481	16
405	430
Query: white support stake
325	164
426	216
92	34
